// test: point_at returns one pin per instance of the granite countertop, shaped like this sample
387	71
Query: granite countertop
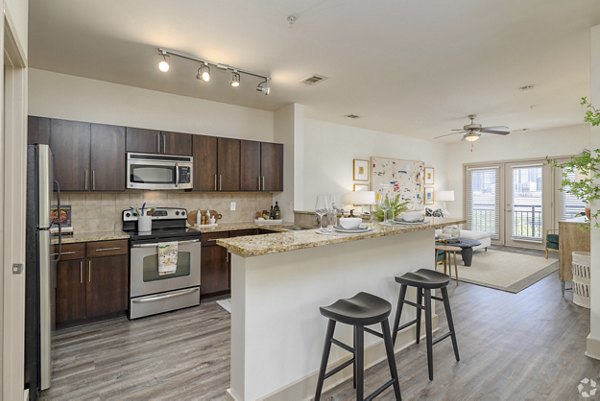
294	240
91	237
243	226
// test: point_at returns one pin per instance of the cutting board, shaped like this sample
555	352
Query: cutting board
193	213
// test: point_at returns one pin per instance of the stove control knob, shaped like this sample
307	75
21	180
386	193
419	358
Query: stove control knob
177	213
183	212
127	214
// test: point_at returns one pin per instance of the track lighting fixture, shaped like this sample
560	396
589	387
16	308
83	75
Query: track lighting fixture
203	73
264	87
235	79
163	65
204	70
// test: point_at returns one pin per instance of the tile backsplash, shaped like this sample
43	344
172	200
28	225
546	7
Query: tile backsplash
93	212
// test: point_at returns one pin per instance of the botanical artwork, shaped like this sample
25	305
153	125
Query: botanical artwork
429	176
402	176
360	170
429	200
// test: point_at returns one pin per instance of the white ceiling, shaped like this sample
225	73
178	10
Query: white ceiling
405	66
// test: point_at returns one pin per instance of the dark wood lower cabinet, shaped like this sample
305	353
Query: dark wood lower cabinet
106	286
70	291
91	287
214	274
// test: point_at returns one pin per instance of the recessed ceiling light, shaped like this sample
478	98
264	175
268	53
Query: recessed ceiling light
353	116
526	88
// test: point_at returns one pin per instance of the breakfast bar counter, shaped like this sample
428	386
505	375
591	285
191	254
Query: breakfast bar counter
278	282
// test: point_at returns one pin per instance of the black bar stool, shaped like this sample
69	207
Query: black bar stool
359	311
425	280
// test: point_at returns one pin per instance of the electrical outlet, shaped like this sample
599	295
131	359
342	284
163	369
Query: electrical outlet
232	206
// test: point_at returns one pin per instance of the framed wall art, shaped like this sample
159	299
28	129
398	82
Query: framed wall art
361	187
402	176
429	176
360	170
429	196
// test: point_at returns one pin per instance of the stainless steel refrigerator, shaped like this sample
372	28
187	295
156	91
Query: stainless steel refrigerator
40	269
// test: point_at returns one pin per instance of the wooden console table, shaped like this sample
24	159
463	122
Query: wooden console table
571	238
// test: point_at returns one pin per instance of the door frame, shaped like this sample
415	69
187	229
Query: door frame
12	203
550	218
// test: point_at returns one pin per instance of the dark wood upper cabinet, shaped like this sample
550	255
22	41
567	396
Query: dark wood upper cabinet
38	130
107	158
143	140
106	287
250	166
70	290
228	161
176	144
271	166
70	144
205	163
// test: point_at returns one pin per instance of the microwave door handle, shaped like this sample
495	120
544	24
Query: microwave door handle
176	174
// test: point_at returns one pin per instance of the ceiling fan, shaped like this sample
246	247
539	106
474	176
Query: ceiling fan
473	131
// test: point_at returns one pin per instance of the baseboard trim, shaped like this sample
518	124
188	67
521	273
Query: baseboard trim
592	348
303	388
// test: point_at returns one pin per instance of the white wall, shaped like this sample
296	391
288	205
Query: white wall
75	98
564	141
330	148
593	340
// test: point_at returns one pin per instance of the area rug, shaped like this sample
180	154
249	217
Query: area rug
506	271
225	304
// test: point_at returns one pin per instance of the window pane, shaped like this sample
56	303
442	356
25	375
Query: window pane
484	204
527	203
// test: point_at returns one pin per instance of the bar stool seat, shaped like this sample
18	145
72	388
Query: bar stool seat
424	278
361	310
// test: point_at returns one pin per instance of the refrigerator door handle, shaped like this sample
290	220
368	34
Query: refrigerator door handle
58	205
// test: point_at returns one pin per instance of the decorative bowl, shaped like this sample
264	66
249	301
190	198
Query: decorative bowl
412	216
350	223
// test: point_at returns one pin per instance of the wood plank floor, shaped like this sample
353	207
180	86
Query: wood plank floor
526	346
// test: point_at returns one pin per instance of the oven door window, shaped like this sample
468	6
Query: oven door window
152	174
150	265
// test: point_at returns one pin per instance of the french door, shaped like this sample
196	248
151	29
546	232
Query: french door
513	201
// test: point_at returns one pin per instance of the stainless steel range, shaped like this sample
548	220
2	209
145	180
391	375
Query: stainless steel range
151	292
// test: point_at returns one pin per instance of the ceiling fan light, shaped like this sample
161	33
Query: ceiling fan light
472	137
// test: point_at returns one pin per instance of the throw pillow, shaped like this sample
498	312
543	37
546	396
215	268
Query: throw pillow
434	213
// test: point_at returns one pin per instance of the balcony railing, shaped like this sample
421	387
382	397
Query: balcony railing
527	220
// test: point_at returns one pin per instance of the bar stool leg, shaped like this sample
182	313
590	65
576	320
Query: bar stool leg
419	302
450	322
389	349
399	311
325	358
429	332
455	268
359	338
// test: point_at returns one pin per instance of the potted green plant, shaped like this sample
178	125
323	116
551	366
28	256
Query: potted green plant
585	168
396	208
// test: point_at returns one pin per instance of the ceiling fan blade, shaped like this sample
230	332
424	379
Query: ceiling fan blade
498	128
493	130
452	133
457	129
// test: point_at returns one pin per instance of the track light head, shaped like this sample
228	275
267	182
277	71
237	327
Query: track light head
203	73
163	65
235	79
264	87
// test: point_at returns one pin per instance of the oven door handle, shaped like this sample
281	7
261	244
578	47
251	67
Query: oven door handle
165	296
156	244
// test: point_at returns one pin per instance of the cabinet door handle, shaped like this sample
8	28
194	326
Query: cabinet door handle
89	271
114	248
158	143
63	253
164	143
220	182
211	240
215	182
263	182
85	179
94	180
81	272
227	257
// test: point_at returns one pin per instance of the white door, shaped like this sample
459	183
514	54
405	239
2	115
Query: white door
528	194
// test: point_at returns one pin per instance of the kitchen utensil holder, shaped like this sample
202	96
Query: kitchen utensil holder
144	224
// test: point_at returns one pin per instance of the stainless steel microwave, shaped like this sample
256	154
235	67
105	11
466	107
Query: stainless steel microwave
151	171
